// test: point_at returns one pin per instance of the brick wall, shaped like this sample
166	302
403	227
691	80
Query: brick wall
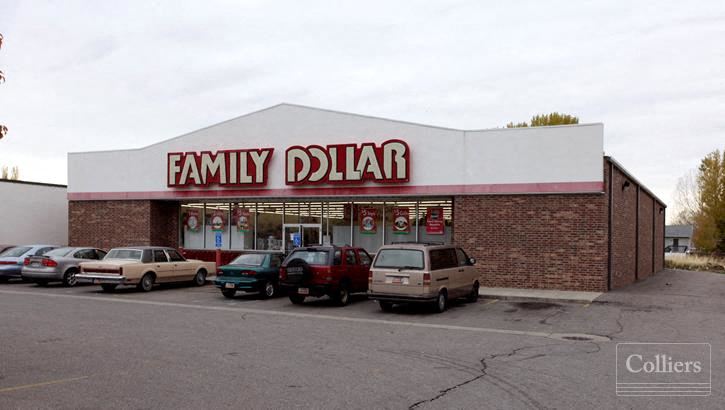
535	241
636	253
645	242
165	223
109	224
624	239
659	238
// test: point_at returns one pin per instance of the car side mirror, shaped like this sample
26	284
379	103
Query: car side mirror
471	261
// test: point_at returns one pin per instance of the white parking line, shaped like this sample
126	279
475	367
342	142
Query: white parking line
288	314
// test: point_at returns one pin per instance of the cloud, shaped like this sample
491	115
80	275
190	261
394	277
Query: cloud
96	75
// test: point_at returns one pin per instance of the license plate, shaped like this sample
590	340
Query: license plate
303	291
229	285
397	281
35	264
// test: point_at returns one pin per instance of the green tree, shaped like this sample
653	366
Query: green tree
709	219
542	120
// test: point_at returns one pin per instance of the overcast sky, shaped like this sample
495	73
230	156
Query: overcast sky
93	75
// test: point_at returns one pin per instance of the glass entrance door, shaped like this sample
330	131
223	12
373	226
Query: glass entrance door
296	235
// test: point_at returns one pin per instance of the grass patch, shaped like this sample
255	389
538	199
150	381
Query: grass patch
689	262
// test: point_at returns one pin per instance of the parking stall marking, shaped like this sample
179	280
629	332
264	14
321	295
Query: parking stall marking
48	383
548	335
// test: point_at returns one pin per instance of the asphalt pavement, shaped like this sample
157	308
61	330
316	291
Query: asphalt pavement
182	347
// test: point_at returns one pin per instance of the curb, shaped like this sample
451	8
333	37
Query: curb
521	296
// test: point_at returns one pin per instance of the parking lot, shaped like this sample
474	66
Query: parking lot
187	347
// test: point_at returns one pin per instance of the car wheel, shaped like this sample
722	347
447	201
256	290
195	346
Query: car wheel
200	278
342	297
296	299
473	296
229	293
441	302
108	287
385	306
268	290
69	279
146	283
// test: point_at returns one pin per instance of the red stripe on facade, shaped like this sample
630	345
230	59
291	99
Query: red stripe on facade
524	188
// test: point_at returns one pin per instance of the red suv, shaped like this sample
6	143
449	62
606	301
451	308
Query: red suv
325	270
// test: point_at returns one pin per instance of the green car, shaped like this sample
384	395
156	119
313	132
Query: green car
251	272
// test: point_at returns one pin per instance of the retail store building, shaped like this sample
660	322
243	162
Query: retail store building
537	207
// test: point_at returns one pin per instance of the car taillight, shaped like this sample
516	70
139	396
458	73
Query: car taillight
370	277
426	279
282	273
49	263
249	273
26	262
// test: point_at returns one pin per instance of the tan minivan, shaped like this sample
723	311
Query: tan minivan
422	273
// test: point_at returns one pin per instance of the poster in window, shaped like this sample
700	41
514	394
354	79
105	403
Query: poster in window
401	220
434	222
193	224
217	220
368	218
243	218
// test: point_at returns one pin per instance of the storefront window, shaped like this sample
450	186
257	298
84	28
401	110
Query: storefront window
192	226
285	225
269	225
400	222
216	220
435	221
368	225
241	230
337	223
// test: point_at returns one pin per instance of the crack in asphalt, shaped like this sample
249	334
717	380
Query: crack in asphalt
545	321
497	381
620	326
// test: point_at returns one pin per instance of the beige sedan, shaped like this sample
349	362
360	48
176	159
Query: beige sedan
144	266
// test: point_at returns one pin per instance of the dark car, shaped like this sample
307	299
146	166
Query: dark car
251	272
325	270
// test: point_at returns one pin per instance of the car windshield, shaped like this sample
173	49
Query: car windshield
134	254
60	252
311	256
249	259
15	252
399	259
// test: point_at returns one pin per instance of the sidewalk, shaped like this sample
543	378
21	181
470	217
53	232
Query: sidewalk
539	295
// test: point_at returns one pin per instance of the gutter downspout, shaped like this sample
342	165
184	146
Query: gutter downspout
611	218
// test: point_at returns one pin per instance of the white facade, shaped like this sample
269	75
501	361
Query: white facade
442	161
33	213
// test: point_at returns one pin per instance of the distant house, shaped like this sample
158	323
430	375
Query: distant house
678	238
33	212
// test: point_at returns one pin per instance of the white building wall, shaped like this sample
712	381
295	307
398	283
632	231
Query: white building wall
438	156
33	214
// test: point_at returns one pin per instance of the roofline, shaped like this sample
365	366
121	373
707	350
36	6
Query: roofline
586	124
335	112
14	181
635	180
